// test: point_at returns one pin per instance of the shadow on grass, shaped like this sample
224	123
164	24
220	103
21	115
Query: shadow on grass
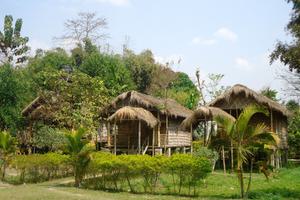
275	193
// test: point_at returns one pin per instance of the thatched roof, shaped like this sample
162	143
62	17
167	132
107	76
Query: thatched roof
238	91
133	98
134	113
204	113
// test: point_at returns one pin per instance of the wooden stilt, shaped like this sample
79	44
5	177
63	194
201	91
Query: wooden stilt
153	140
115	140
158	130
231	151
139	137
191	131
108	134
167	131
169	151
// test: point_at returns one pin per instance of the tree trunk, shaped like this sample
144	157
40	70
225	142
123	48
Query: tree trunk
224	161
231	156
241	180
250	177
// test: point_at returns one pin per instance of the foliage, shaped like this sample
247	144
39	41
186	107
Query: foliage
48	60
13	47
11	91
79	150
141	67
270	93
211	88
214	87
184	91
244	136
285	186
72	99
7	150
47	138
40	167
110	69
204	152
293	129
288	52
186	171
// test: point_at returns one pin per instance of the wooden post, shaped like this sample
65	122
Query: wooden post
223	157
231	151
139	138
271	115
231	156
153	140
205	131
169	151
191	138
115	139
273	156
158	130
128	143
108	135
167	130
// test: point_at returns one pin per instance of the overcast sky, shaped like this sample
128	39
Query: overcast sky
232	37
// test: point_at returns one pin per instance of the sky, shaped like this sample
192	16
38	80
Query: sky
232	37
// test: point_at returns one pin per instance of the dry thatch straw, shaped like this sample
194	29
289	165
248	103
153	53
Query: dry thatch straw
239	92
164	106
204	113
134	113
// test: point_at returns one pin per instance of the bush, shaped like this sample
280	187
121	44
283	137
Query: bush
40	167
205	152
187	170
108	171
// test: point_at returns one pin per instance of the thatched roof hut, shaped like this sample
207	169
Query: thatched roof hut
203	113
136	121
134	113
239	96
136	99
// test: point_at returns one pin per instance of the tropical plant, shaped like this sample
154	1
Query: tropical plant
79	150
13	47
7	150
244	135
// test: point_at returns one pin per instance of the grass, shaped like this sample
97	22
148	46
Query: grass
284	185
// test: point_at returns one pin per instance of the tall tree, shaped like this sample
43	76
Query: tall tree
142	67
288	52
11	94
85	26
13	47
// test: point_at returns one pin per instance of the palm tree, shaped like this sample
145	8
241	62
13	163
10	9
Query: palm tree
7	149
244	135
79	149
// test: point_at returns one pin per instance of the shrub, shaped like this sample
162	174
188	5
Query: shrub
41	167
187	170
205	152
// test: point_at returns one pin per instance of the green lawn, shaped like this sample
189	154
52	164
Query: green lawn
285	185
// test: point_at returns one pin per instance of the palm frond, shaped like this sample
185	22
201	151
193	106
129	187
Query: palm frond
226	124
245	117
